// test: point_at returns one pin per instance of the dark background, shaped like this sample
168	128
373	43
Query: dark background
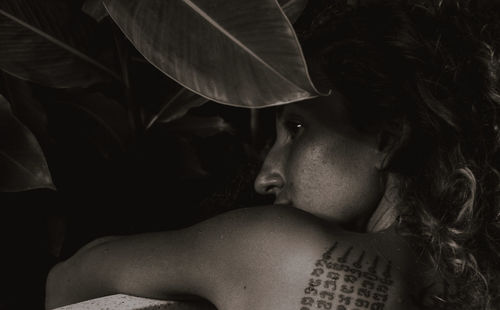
168	177
163	179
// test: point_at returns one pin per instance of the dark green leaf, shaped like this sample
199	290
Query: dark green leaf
201	126
109	115
177	106
293	8
46	43
95	9
27	108
22	163
241	53
191	166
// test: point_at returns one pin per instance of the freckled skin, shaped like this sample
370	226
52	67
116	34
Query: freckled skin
321	164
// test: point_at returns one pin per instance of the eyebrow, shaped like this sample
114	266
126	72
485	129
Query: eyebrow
291	110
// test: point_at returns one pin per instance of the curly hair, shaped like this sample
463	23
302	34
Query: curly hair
425	73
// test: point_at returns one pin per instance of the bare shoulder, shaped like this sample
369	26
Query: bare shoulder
291	260
257	258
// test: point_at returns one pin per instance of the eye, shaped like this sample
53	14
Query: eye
293	127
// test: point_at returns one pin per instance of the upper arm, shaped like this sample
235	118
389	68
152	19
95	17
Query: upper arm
219	257
201	260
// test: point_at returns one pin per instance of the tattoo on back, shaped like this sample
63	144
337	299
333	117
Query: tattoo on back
346	279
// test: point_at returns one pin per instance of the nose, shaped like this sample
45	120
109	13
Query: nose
270	179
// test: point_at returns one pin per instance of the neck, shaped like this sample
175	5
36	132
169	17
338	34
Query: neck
386	212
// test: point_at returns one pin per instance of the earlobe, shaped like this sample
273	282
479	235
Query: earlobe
385	147
383	159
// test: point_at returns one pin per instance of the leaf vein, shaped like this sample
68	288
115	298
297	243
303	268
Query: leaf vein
236	41
59	43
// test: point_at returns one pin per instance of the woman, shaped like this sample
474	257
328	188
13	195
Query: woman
386	192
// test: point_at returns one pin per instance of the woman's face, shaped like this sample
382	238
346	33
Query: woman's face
321	164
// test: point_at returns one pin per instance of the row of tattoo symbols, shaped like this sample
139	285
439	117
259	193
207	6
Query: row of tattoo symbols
338	284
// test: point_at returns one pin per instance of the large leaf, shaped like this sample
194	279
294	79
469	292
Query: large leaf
45	42
239	52
111	120
28	109
202	126
184	100
292	9
177	106
22	163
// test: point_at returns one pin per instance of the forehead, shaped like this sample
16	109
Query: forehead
327	114
326	110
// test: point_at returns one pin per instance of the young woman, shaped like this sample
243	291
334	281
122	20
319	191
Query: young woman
386	192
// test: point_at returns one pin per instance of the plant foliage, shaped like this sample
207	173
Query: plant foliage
45	42
22	163
220	49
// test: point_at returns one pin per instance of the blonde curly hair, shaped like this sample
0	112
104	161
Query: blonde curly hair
426	74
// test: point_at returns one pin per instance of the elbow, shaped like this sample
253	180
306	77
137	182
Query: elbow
69	282
54	288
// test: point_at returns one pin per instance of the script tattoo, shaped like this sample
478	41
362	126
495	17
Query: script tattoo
347	279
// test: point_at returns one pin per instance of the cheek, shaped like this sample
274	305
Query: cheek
335	181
